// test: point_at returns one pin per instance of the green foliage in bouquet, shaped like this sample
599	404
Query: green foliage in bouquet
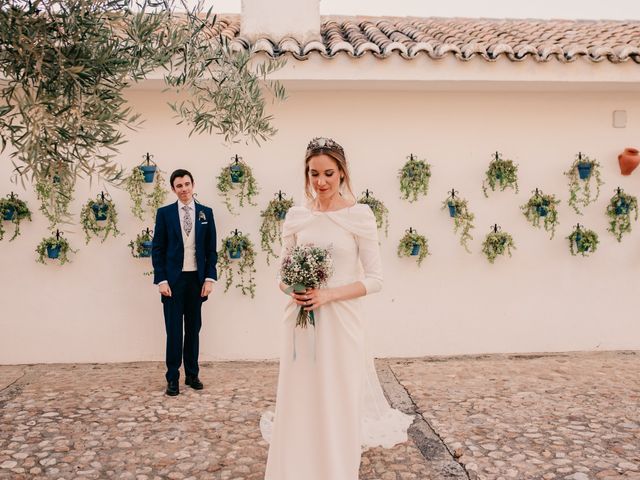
379	209
17	209
542	207
247	187
582	241
412	244
245	265
54	242
619	213
462	219
414	178
497	243
270	228
580	193
501	173
104	209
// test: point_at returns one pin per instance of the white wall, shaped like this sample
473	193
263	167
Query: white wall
101	308
548	9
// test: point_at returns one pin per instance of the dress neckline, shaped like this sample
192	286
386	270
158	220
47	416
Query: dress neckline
332	211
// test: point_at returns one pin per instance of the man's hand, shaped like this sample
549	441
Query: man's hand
207	288
164	289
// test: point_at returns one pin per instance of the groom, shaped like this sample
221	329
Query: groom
184	264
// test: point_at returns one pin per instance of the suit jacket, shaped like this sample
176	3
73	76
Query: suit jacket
167	254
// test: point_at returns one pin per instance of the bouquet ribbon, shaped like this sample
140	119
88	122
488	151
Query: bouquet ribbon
303	319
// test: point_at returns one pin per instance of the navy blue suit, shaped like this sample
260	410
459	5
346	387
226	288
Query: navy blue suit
185	301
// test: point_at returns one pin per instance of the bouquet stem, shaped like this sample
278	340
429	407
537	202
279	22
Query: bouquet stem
304	318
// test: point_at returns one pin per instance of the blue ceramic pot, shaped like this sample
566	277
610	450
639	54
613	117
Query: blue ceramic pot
542	210
622	208
9	213
282	215
584	170
145	248
53	251
415	250
148	171
452	210
100	211
235	254
236	173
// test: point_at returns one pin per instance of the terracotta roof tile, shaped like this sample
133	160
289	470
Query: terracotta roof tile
436	38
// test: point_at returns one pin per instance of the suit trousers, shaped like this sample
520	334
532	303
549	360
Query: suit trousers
185	303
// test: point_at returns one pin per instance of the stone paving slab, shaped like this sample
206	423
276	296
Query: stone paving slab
573	416
114	421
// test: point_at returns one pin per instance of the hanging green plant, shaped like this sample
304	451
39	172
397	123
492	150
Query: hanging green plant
501	173
142	245
497	243
582	171
462	217
55	247
55	193
542	207
135	186
379	209
237	246
13	210
414	178
237	175
412	244
582	241
272	218
619	212
158	194
99	218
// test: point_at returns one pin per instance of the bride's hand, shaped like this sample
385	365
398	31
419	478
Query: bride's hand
314	298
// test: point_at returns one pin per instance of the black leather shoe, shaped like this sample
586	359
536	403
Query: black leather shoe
172	388
193	382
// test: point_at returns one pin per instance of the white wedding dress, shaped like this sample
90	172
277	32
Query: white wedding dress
330	404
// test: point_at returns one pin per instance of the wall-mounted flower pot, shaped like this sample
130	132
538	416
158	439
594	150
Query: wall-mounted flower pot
622	208
100	211
53	252
415	250
148	171
9	213
584	170
542	210
452	210
145	248
282	215
235	254
236	173
628	160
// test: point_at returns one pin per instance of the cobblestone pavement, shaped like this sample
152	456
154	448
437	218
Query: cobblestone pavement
570	417
574	417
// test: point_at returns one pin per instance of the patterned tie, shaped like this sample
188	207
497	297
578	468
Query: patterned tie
188	224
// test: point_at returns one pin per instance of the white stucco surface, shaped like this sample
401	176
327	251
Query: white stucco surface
101	308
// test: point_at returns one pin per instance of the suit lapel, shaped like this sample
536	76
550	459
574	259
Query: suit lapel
196	222
175	216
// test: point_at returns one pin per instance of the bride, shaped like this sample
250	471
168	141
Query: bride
329	403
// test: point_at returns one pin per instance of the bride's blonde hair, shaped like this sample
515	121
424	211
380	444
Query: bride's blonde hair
329	147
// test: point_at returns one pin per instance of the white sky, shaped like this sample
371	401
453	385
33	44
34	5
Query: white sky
574	9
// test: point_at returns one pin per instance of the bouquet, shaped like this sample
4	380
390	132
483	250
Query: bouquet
305	266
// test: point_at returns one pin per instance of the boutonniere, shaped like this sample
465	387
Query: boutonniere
202	217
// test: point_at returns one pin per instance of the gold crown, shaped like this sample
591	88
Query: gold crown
323	143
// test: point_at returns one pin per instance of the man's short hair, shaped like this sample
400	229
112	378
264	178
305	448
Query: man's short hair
181	172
